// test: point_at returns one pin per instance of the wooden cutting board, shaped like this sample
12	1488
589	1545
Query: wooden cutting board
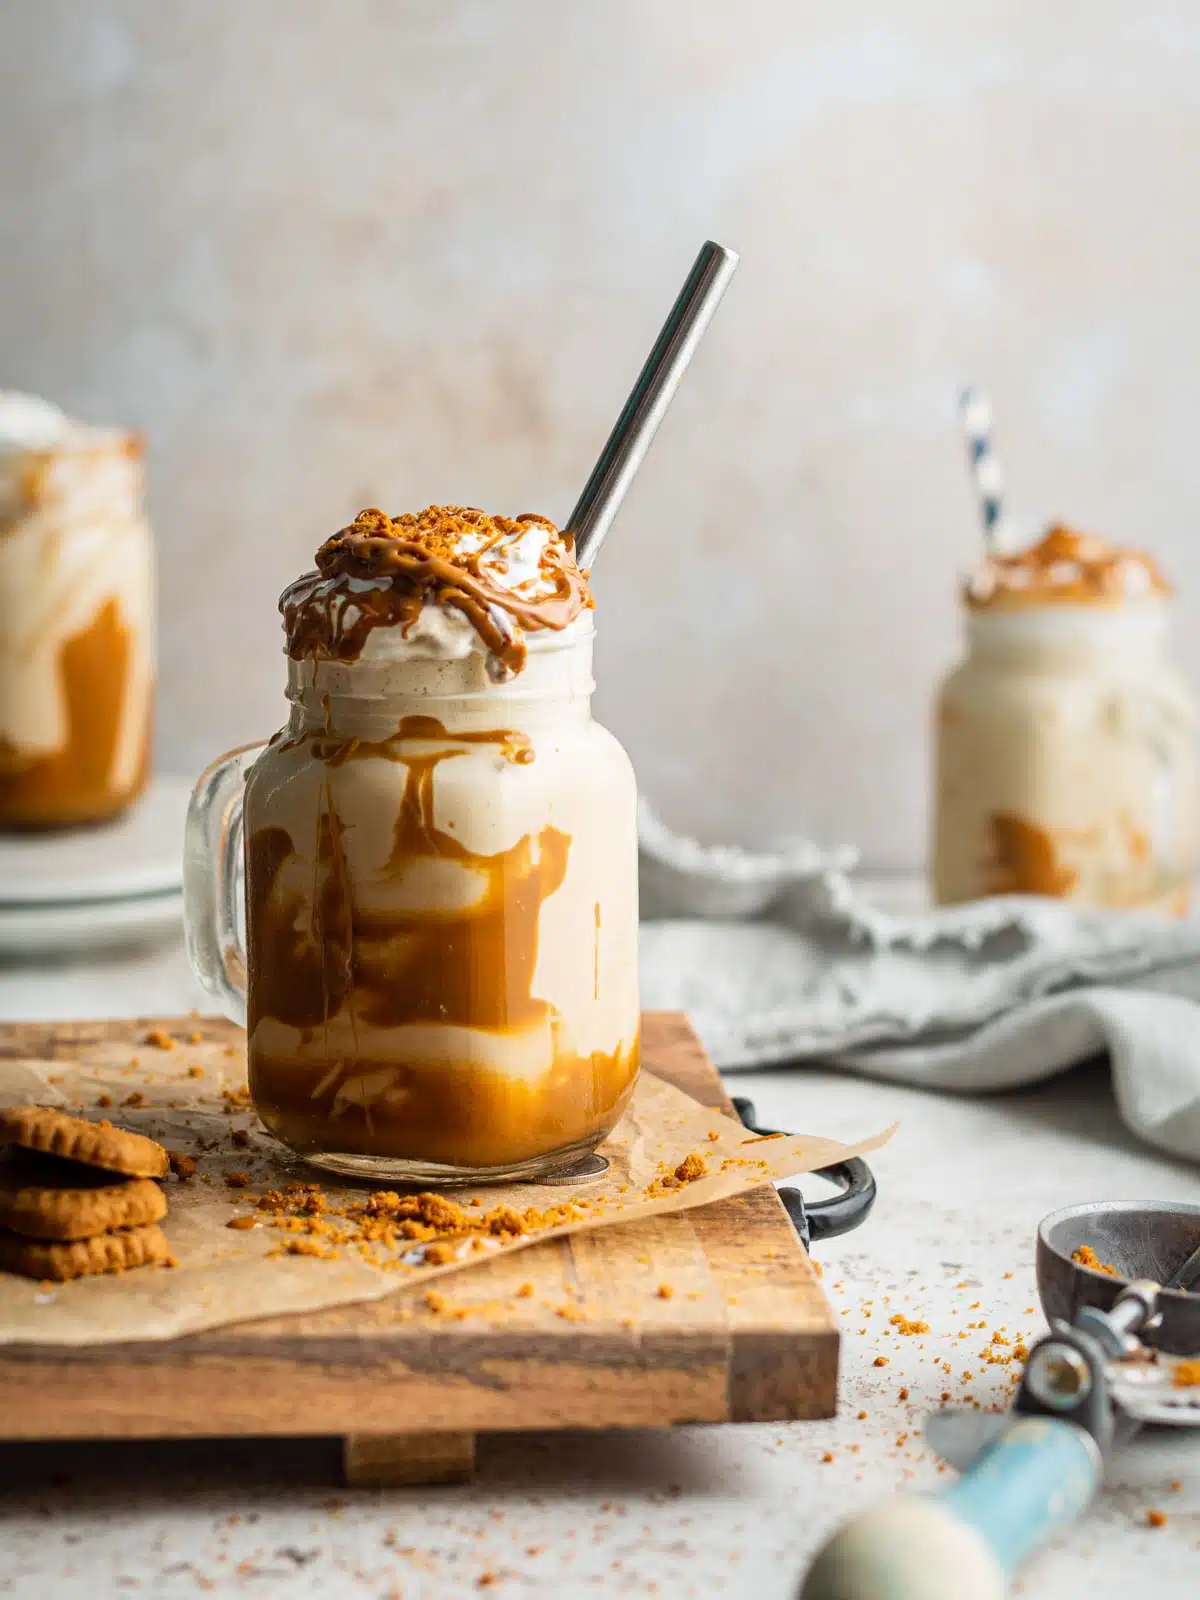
757	1343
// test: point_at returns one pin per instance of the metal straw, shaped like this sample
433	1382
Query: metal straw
975	410
648	400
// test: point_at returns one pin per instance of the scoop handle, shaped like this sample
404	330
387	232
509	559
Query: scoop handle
967	1541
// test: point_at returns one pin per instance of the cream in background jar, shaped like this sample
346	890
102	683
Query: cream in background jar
1065	742
76	618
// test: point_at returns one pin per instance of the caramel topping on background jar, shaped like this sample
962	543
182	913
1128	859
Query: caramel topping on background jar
1063	568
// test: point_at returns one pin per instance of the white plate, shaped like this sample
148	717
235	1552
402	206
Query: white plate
140	854
88	925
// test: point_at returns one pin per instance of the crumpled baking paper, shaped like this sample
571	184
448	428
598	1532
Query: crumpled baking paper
192	1098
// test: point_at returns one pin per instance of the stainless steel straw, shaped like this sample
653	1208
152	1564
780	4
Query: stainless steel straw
648	400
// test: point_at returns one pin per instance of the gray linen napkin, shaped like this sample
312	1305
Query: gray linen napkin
776	959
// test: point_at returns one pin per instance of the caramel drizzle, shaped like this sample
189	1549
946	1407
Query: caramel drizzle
419	561
1062	566
472	966
336	749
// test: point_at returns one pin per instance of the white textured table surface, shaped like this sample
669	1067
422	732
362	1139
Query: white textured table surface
695	1511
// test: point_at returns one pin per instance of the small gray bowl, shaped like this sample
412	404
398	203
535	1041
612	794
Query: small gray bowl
1142	1239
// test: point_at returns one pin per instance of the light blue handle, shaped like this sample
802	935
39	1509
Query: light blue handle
965	1542
1039	1475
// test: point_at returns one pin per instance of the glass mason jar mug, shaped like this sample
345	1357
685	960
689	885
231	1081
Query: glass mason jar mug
439	975
1065	759
76	619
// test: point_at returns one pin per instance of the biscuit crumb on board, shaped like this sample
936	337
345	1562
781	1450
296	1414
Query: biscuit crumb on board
184	1167
387	1219
692	1166
1156	1519
158	1039
242	1224
665	1291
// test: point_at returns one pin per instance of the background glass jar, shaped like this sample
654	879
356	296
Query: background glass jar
439	979
1065	759
76	629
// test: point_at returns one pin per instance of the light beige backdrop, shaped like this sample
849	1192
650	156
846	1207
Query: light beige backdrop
392	251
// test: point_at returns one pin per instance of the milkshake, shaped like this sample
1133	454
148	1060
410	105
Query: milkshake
76	619
441	861
1066	741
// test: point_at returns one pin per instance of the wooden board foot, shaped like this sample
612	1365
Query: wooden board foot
389	1460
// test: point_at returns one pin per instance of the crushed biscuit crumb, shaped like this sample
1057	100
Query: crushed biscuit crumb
1085	1256
903	1324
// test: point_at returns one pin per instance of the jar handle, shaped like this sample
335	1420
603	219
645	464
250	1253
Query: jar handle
212	872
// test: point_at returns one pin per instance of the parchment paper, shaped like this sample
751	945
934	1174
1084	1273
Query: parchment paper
192	1097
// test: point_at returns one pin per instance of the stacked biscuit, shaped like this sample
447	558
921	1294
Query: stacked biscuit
78	1197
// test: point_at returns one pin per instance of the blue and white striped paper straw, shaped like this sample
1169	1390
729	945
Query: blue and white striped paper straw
975	409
